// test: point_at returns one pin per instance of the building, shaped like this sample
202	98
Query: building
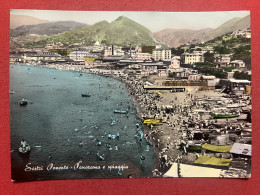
16	58
192	58
78	62
242	33
161	54
143	56
194	77
212	81
115	58
175	64
153	68
54	45
113	50
78	55
30	57
222	61
182	73
235	86
238	64
230	75
209	50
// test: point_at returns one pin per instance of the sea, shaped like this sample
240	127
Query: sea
63	128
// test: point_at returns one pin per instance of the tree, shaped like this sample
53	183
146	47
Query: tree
242	75
208	57
222	49
177	51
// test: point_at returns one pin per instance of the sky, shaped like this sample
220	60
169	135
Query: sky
155	21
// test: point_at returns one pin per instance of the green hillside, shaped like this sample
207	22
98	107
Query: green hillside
122	31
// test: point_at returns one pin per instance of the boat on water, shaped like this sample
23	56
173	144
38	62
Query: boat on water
12	91
85	95
216	116
100	157
24	148
121	111
154	121
23	102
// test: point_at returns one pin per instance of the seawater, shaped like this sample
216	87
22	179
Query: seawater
63	128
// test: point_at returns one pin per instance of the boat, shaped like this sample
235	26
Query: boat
12	91
85	95
121	111
153	121
216	116
100	157
24	149
24	102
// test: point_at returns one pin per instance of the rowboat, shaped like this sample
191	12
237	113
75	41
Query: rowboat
85	95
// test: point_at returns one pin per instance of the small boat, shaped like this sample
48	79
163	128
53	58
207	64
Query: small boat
85	95
121	111
216	116
100	157
24	102
24	149
12	91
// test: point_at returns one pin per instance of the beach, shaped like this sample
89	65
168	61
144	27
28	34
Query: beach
178	109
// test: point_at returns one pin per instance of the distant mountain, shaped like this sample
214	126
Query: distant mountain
21	41
20	20
122	31
230	26
177	37
50	28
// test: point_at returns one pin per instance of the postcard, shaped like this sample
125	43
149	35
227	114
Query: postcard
113	94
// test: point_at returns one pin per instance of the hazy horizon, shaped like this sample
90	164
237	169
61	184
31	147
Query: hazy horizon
154	21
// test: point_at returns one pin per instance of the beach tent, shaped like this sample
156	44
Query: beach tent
158	93
214	148
209	160
191	171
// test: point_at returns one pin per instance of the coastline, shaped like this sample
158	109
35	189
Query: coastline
133	90
165	138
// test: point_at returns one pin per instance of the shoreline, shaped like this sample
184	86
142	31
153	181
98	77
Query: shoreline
130	89
166	138
104	72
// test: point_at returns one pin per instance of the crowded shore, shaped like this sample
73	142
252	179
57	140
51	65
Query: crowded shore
188	120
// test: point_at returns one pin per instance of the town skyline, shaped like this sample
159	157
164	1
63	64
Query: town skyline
181	20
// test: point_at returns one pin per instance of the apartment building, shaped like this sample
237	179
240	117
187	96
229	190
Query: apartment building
161	54
192	58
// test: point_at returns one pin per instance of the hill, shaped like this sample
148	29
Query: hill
177	37
20	20
122	31
230	26
50	28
